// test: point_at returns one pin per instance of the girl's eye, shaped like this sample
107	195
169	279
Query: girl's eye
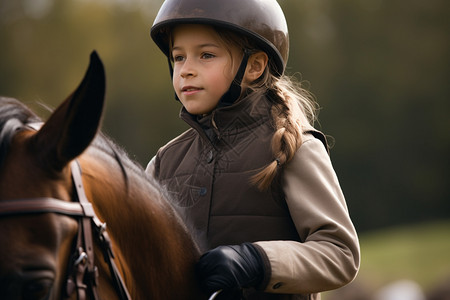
177	58
207	56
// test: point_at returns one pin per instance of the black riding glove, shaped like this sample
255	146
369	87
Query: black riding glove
230	268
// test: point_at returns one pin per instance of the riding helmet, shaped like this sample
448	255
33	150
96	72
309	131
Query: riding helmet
262	21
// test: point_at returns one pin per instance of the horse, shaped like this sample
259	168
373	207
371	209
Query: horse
79	219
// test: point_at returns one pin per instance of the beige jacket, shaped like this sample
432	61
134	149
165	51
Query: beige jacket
328	256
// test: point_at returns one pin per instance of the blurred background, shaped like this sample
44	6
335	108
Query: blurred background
379	69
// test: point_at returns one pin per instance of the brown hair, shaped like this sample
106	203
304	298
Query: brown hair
294	111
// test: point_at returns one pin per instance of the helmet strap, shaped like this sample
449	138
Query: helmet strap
234	91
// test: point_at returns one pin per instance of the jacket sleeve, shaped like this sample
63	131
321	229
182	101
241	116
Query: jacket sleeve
328	255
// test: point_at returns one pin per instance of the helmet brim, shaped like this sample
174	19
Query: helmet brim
160	33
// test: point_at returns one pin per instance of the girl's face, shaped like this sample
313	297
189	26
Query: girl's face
203	67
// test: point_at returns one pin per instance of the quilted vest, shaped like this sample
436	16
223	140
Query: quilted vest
207	172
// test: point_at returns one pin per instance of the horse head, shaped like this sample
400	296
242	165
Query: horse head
154	253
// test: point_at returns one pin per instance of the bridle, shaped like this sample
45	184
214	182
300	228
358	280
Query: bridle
82	272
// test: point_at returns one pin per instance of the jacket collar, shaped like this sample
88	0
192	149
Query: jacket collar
243	115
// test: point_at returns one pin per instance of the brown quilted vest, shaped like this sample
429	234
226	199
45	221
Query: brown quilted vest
207	170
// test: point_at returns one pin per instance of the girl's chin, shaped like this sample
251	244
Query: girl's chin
196	110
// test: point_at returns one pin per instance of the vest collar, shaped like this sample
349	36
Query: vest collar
243	115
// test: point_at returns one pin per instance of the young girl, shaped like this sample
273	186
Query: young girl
252	174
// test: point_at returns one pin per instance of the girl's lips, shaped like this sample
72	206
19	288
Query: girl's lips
189	90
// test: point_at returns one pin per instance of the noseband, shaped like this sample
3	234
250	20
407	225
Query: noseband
82	272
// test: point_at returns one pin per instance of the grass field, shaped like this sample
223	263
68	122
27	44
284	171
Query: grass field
419	252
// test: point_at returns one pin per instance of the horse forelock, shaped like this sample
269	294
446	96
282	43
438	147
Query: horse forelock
14	116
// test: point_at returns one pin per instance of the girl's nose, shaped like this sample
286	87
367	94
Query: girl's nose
188	69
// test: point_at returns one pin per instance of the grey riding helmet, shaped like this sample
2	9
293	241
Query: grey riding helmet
263	21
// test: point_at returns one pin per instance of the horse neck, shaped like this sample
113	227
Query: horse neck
154	249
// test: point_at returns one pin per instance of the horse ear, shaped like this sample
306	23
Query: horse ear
73	125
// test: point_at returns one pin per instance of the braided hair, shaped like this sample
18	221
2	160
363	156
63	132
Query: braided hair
293	112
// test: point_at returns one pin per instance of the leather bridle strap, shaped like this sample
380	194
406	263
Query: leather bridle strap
85	240
88	225
40	205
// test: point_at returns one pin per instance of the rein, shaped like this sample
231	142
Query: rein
82	272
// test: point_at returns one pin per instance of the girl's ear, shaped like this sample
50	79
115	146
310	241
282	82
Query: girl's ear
256	65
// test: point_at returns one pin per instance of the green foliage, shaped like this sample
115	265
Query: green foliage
418	252
379	69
